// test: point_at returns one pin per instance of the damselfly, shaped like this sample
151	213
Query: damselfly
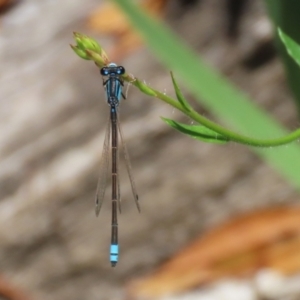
113	85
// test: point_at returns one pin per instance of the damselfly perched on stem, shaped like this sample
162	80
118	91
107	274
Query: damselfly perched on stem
113	85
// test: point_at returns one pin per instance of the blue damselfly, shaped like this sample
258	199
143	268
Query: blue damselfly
113	84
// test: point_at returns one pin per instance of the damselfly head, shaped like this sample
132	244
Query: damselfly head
112	69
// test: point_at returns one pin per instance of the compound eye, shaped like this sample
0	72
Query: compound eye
120	70
104	71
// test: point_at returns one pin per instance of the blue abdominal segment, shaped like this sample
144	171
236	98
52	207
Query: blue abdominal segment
114	254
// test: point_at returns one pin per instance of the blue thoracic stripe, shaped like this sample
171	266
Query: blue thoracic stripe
118	90
113	89
114	253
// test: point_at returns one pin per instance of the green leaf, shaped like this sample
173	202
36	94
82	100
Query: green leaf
285	15
179	95
292	47
198	132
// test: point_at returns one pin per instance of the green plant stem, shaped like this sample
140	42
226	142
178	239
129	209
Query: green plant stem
233	136
98	55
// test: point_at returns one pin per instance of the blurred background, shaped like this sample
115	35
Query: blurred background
53	115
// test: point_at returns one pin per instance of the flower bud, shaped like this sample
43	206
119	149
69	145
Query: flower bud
88	48
84	42
81	53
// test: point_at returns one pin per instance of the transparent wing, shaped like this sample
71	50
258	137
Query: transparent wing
104	162
129	168
118	185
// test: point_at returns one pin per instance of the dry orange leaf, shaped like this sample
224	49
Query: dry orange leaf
109	20
11	292
269	238
5	4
